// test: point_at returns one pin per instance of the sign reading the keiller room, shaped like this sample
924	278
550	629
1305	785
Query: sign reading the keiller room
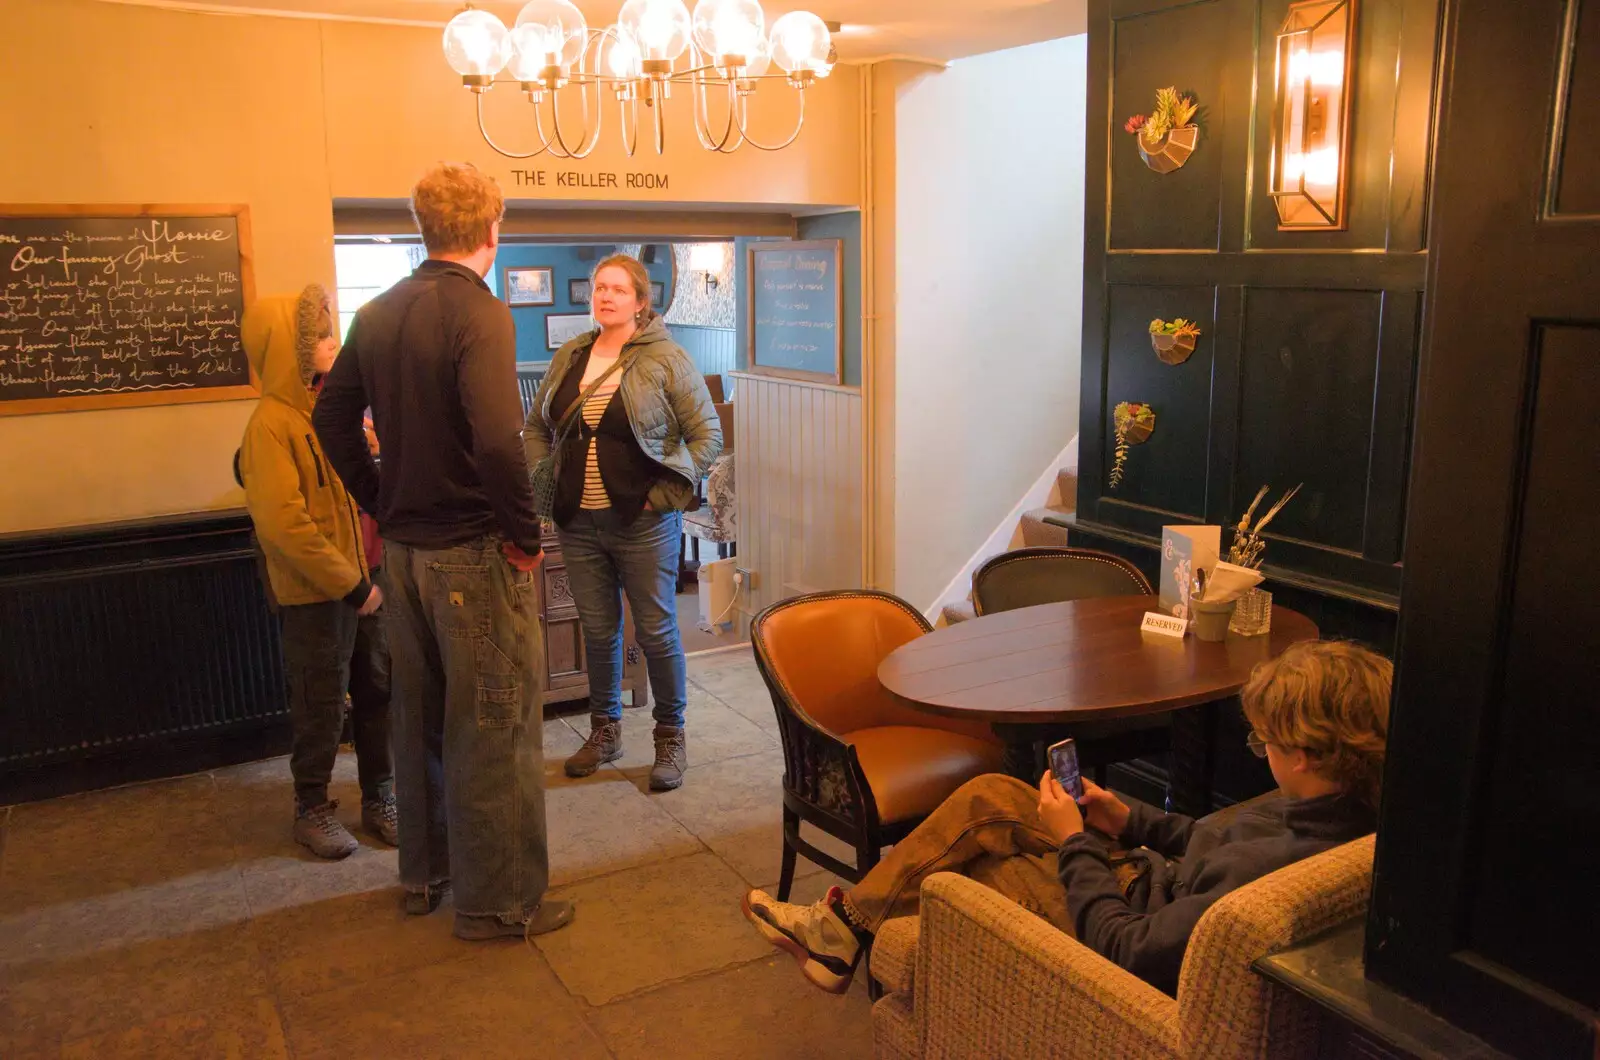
572	178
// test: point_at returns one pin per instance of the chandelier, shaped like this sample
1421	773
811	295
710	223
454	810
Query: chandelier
722	49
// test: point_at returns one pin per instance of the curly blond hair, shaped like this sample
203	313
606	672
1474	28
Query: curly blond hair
1330	699
456	207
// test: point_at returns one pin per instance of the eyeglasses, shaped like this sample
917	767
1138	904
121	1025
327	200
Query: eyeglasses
1257	744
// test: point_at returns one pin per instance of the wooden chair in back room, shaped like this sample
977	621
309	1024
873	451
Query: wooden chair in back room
858	763
1049	574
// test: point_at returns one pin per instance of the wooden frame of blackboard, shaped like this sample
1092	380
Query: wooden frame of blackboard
836	377
240	213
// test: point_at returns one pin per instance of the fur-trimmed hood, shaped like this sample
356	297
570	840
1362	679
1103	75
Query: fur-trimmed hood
280	335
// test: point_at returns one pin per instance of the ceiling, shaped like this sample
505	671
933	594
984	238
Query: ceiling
938	30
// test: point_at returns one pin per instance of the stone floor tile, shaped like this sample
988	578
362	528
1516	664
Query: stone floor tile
736	809
740	686
351	939
642	928
498	1000
255	806
86	846
242	1027
114	988
151	912
763	1009
561	739
604	824
299	878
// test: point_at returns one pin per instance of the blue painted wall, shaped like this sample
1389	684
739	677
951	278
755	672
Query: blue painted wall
563	259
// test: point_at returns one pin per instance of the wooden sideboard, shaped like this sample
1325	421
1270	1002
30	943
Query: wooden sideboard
566	670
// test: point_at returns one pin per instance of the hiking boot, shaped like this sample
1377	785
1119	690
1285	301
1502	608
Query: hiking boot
318	829
425	901
672	758
817	936
552	915
603	745
381	819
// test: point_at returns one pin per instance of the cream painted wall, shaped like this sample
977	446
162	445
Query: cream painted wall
988	222
109	103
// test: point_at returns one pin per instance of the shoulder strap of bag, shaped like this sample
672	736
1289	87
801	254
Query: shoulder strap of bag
588	392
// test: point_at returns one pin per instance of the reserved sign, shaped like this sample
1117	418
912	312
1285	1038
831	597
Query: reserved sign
1166	625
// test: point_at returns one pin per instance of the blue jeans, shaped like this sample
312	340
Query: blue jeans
467	669
605	560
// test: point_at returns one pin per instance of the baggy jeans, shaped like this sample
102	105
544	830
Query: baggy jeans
468	666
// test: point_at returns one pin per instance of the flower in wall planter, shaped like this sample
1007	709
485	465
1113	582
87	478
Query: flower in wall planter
1173	340
1133	423
1168	136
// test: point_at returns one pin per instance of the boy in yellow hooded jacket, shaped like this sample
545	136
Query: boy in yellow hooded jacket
310	536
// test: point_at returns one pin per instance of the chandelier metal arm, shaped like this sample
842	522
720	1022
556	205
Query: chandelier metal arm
593	135
702	119
799	124
484	129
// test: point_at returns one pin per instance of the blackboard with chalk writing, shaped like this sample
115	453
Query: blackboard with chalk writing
104	306
795	309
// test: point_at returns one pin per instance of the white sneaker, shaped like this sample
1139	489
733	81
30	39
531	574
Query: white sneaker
816	936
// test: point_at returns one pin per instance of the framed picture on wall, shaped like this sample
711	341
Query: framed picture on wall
658	295
530	285
560	328
578	290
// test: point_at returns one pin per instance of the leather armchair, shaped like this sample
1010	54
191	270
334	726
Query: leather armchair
859	763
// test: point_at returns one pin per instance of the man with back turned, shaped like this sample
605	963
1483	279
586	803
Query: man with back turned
435	359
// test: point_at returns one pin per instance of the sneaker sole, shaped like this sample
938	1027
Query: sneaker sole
816	974
582	772
340	856
665	785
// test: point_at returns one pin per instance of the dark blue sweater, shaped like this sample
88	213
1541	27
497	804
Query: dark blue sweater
1147	931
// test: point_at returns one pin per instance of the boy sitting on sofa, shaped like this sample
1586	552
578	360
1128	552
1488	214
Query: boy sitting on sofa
1319	715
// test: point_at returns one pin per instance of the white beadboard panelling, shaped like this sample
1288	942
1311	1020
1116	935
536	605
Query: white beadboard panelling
714	351
799	487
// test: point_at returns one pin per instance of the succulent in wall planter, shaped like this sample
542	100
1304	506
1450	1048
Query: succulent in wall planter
1168	136
1173	340
1133	423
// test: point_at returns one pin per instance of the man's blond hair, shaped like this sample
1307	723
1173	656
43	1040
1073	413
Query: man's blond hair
1330	699
456	207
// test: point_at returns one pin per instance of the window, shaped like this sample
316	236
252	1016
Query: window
365	270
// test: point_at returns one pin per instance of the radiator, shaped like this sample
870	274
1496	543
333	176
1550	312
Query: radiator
122	640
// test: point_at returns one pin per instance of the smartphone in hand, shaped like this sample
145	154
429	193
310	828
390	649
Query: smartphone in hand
1064	764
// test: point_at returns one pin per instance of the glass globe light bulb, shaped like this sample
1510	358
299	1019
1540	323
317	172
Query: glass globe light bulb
622	56
728	27
757	62
551	33
800	41
661	28
476	44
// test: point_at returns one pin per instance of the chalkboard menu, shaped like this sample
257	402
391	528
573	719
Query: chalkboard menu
114	306
794	310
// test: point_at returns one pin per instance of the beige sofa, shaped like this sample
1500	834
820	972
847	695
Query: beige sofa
976	976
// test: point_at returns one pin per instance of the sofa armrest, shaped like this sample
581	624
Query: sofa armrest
894	954
994	981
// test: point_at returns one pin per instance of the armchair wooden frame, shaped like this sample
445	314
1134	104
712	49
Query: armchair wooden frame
823	782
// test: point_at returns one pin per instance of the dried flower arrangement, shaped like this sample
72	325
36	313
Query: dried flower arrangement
1172	112
1247	547
1133	423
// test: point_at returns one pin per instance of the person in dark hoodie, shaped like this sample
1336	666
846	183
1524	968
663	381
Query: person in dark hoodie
1320	717
309	537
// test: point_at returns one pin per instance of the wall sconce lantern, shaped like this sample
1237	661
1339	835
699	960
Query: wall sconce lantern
707	258
1311	116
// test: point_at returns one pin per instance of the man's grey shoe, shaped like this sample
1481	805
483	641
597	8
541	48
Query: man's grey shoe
425	901
552	915
316	828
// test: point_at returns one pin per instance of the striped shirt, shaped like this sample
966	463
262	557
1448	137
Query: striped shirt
594	488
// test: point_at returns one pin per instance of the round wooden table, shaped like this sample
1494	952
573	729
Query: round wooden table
1078	661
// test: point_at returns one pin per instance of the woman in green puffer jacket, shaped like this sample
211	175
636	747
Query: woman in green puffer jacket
639	442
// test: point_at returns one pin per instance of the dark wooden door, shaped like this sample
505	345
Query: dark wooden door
1484	905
